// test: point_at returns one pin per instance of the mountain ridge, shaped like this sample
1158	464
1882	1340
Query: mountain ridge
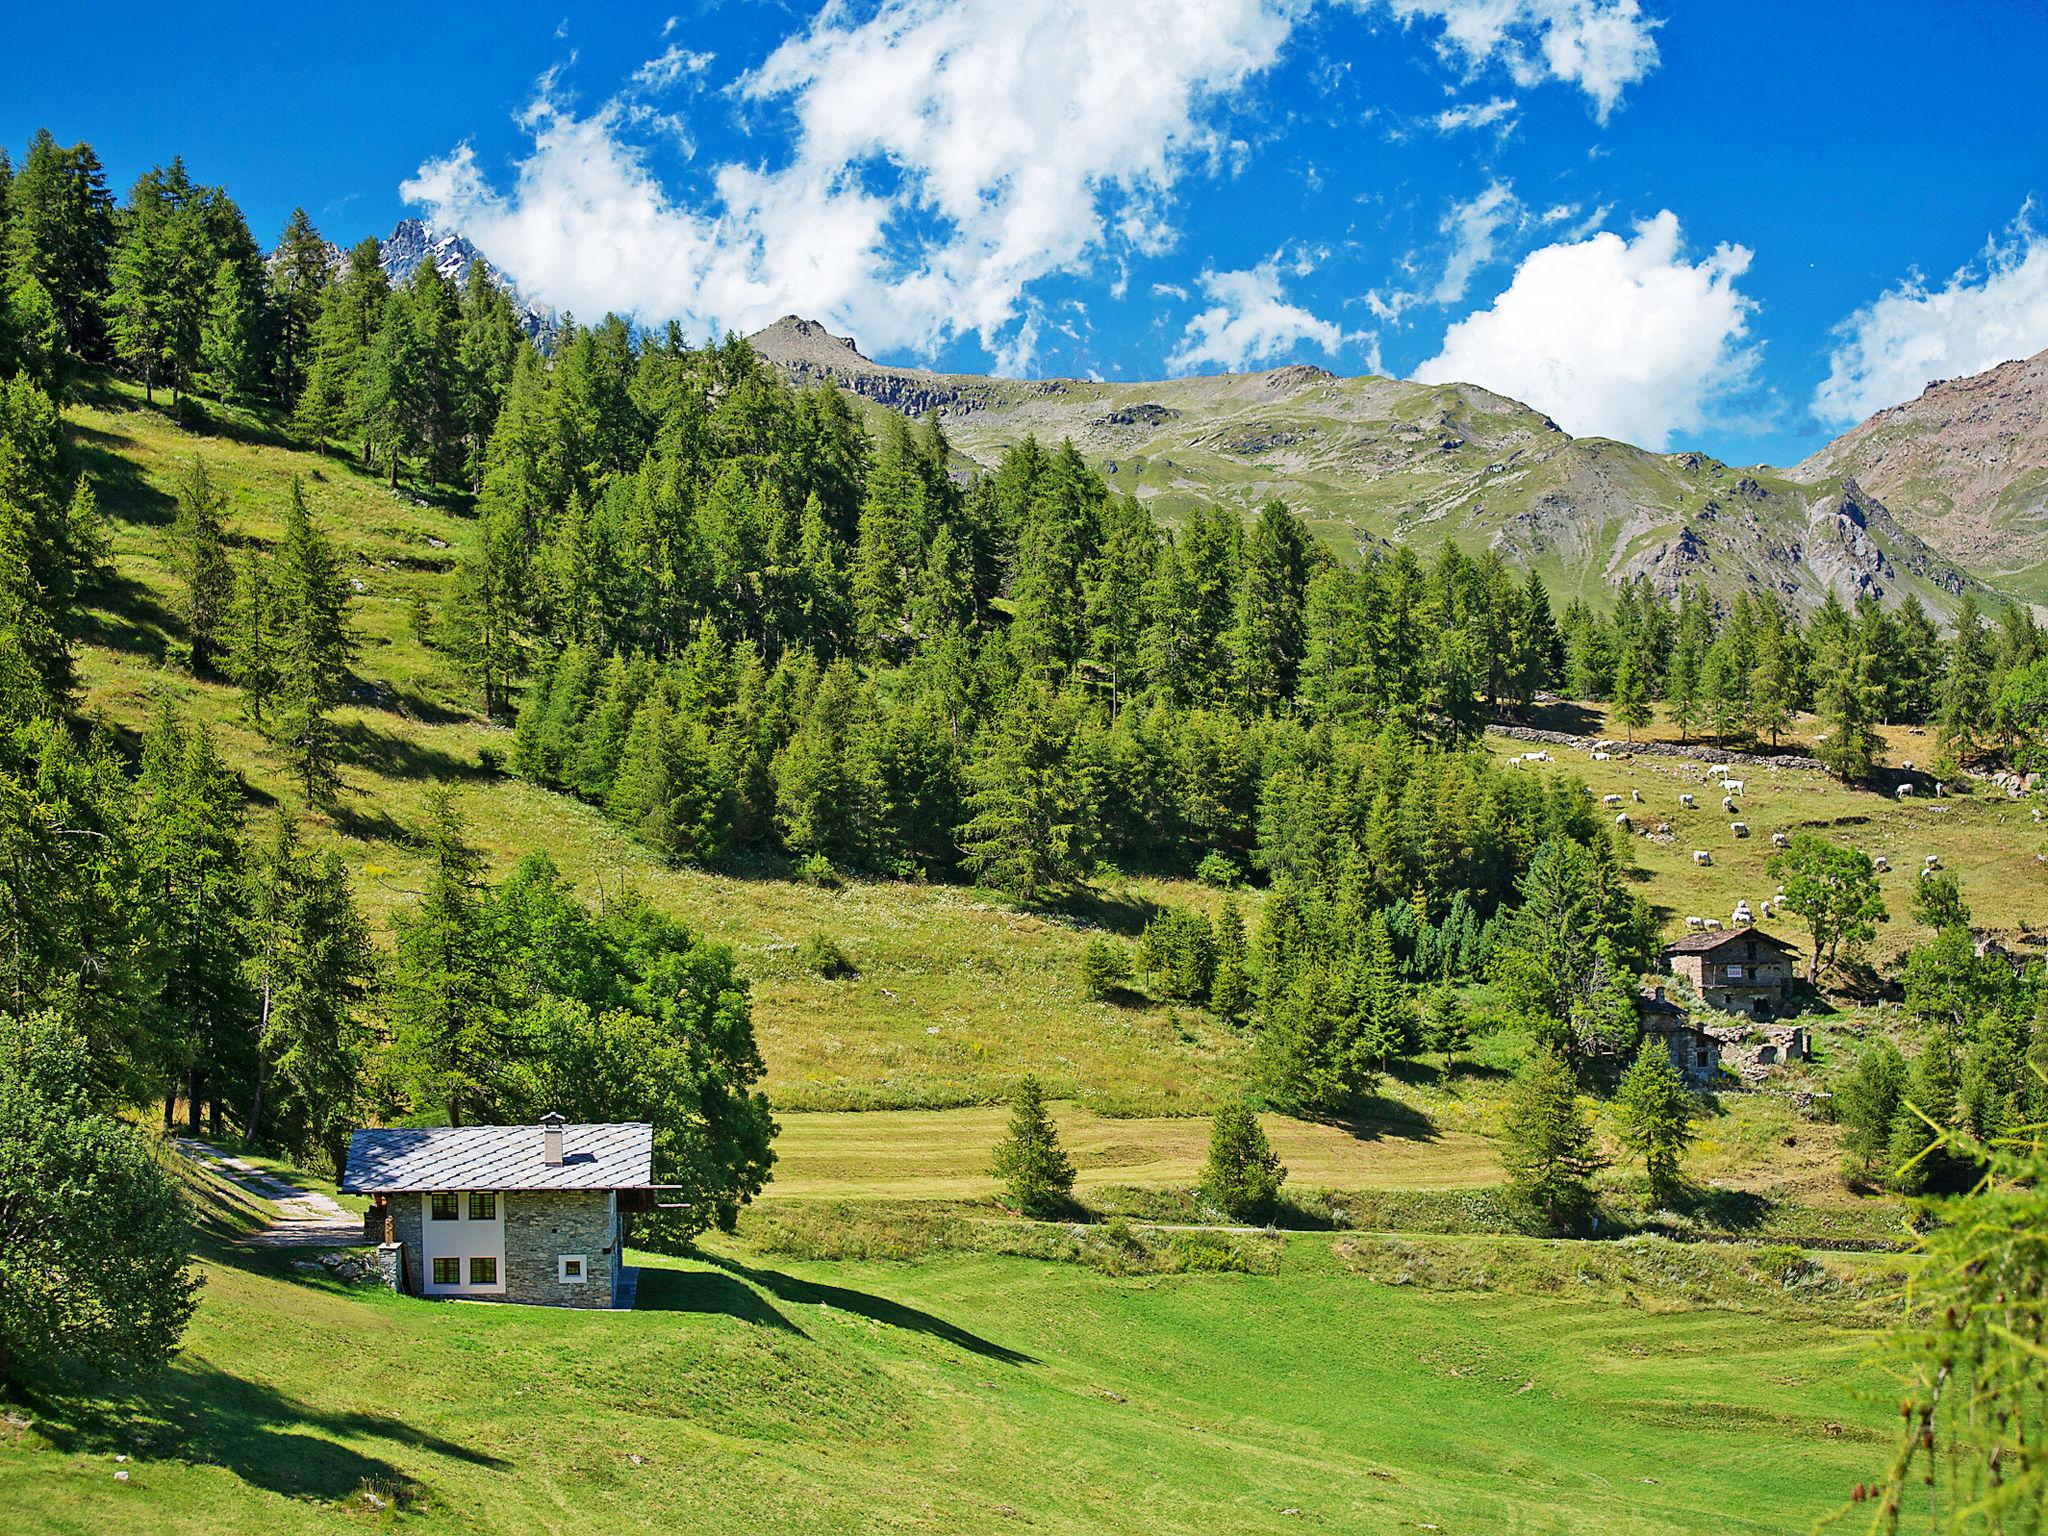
1368	459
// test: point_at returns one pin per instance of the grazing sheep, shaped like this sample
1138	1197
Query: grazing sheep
2037	813
1694	924
1636	795
1940	788
1701	856
1689	802
1934	861
1610	799
1603	757
1780	840
1727	802
1739	828
1713	925
1881	862
1904	790
1535	757
1733	786
1907	765
1622	820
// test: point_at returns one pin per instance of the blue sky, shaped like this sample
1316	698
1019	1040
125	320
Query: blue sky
1732	226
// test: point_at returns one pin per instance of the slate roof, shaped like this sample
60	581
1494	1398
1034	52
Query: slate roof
402	1160
1700	943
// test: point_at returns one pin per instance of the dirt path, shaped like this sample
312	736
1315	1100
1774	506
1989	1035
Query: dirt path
305	1218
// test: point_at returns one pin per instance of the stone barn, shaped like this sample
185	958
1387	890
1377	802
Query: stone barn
1738	970
531	1213
1695	1053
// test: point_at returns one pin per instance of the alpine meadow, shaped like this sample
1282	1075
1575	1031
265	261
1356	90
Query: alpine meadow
1364	847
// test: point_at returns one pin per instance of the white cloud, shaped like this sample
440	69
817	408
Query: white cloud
1984	315
1474	114
1250	321
1474	229
1611	336
1601	46
943	157
1169	291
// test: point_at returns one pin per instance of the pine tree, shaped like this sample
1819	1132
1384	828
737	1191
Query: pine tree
1966	691
299	274
60	227
227	348
1547	1143
450	1030
207	579
1230	988
1243	1175
1030	1161
1031	827
251	638
311	600
1444	1026
1653	1117
1632	693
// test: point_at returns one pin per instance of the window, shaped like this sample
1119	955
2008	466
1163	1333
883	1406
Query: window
570	1269
483	1271
483	1205
1735	971
447	1271
447	1208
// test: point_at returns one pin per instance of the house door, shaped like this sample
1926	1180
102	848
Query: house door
462	1247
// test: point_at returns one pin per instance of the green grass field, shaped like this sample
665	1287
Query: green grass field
971	1394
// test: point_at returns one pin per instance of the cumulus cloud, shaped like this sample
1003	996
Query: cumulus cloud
943	157
1249	320
1620	337
1601	46
1985	314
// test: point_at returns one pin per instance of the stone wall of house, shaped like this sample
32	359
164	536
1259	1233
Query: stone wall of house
406	1228
541	1226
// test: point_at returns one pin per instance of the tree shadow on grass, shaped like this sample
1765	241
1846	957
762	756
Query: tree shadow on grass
707	1290
893	1314
400	757
124	616
1724	1210
117	480
195	1413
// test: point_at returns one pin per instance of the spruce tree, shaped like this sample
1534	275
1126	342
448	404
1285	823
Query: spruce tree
299	272
1230	987
450	1035
206	578
1653	1117
311	602
1242	1175
1632	693
1030	1161
1547	1143
251	638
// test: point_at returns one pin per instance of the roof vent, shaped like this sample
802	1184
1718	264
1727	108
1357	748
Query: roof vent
551	1139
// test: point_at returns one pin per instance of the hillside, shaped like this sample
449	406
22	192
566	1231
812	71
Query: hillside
1964	466
1369	460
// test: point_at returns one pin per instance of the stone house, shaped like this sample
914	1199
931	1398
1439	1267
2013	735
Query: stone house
1695	1053
531	1213
1738	970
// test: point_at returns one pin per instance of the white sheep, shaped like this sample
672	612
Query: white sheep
1636	795
1904	790
1780	840
1739	828
1603	757
1701	856
1733	786
1610	799
1713	925
1934	861
1881	862
1727	802
1694	924
1622	820
1689	802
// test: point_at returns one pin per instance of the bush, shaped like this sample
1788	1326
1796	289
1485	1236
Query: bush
490	760
1785	1264
821	956
816	869
1178	951
93	1269
1105	968
1243	1176
1217	870
1030	1161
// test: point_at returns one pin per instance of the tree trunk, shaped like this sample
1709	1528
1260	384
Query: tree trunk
192	1102
170	1108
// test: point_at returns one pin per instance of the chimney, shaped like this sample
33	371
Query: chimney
551	1139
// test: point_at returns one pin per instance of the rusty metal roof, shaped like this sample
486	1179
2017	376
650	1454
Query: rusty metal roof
405	1159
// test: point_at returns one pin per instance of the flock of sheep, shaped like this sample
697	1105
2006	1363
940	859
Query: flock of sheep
1743	916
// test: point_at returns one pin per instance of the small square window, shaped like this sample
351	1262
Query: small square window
447	1271
483	1271
483	1205
447	1208
571	1269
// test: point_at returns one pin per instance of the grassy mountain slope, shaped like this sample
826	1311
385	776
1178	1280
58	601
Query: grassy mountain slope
1965	466
984	1392
1373	459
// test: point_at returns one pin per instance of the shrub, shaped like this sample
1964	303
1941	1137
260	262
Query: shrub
1030	1160
1178	951
93	1269
1105	967
1217	870
491	761
1243	1176
821	955
1548	1145
816	869
1785	1264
